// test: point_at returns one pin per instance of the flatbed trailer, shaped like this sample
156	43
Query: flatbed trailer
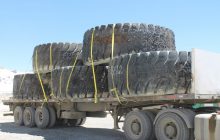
170	109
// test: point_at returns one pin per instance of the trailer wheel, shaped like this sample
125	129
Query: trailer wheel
29	113
170	126
18	115
42	117
138	126
152	117
53	117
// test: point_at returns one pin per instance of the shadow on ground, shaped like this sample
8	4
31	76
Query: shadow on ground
65	133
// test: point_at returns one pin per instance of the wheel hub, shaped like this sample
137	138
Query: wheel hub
28	116
171	130
40	117
136	127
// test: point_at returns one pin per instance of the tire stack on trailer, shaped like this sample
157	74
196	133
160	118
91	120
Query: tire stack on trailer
142	61
115	61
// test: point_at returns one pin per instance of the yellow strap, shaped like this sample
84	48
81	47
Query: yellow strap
38	74
60	83
21	84
51	67
113	46
113	40
74	64
127	78
93	68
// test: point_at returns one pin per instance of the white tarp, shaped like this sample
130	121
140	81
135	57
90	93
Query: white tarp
205	72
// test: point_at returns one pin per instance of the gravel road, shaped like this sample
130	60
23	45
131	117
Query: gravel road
94	129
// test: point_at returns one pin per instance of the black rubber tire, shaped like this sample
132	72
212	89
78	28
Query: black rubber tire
18	115
151	73
27	86
144	122
151	116
128	38
28	116
63	54
53	117
42	117
179	127
81	84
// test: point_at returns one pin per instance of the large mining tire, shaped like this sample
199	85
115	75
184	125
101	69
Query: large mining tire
18	115
27	86
170	126
150	73
18	86
77	82
28	115
55	55
42	117
128	38
138	126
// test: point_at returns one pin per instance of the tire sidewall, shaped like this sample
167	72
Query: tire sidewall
144	122
182	130
18	121
29	111
45	117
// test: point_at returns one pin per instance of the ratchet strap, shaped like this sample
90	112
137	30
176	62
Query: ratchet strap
51	70
114	89
60	82
74	64
127	78
39	77
93	67
21	83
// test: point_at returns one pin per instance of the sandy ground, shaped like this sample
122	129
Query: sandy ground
94	129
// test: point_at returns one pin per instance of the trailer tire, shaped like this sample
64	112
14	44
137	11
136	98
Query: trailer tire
42	117
62	54
53	117
29	114
128	38
18	115
171	126
138	126
152	117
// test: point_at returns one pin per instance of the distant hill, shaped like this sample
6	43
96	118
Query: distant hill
6	81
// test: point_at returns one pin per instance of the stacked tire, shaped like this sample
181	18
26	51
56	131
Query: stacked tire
65	70
142	59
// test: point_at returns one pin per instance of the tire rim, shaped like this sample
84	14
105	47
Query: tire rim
40	117
28	116
170	130
136	127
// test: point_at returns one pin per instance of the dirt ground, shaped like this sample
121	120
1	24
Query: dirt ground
94	129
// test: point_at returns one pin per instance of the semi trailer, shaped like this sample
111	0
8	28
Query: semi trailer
156	92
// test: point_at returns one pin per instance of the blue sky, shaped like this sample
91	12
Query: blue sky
25	23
